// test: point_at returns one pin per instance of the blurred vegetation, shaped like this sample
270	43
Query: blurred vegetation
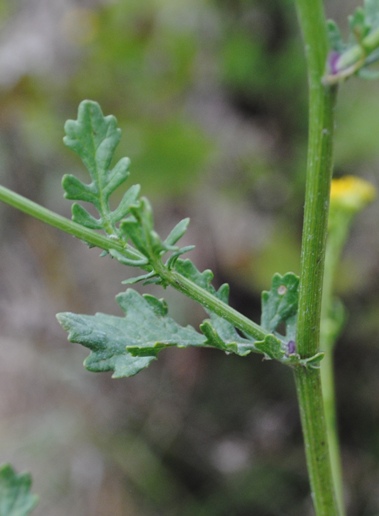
212	99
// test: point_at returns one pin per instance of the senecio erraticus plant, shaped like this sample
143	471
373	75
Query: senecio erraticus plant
304	306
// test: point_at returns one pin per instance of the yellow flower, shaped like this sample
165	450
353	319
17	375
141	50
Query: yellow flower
351	193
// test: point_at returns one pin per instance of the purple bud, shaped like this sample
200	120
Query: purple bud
291	347
333	59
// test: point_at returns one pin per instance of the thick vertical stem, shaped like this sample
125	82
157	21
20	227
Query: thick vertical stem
319	170
308	385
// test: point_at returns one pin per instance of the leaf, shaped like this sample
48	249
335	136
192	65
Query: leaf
177	232
203	279
128	200
359	25
271	347
222	330
95	138
219	332
279	304
125	345
81	216
15	496
334	36
139	229
312	362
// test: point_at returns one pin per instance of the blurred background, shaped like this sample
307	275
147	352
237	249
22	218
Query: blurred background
211	98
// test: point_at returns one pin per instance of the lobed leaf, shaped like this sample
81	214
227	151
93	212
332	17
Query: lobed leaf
203	279
15	496
94	137
126	345
280	303
146	328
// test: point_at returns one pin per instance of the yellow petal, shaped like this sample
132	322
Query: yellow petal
351	193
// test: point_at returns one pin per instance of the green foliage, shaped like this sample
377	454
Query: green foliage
125	345
15	496
279	305
361	48
94	138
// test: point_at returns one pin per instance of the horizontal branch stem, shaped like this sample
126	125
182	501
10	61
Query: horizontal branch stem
89	236
176	280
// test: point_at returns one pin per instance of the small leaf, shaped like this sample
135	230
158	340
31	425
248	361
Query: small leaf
15	496
145	278
116	177
313	362
78	191
129	199
222	334
334	36
81	216
177	232
132	259
279	305
212	336
271	347
203	279
359	25
94	137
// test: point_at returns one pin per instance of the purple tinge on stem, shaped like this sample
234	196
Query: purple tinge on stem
291	347
333	59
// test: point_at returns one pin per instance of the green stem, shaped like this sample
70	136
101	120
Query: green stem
319	167
328	389
329	330
308	386
215	305
89	236
53	219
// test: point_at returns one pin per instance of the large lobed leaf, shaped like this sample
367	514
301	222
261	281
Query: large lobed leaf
15	496
126	345
146	327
